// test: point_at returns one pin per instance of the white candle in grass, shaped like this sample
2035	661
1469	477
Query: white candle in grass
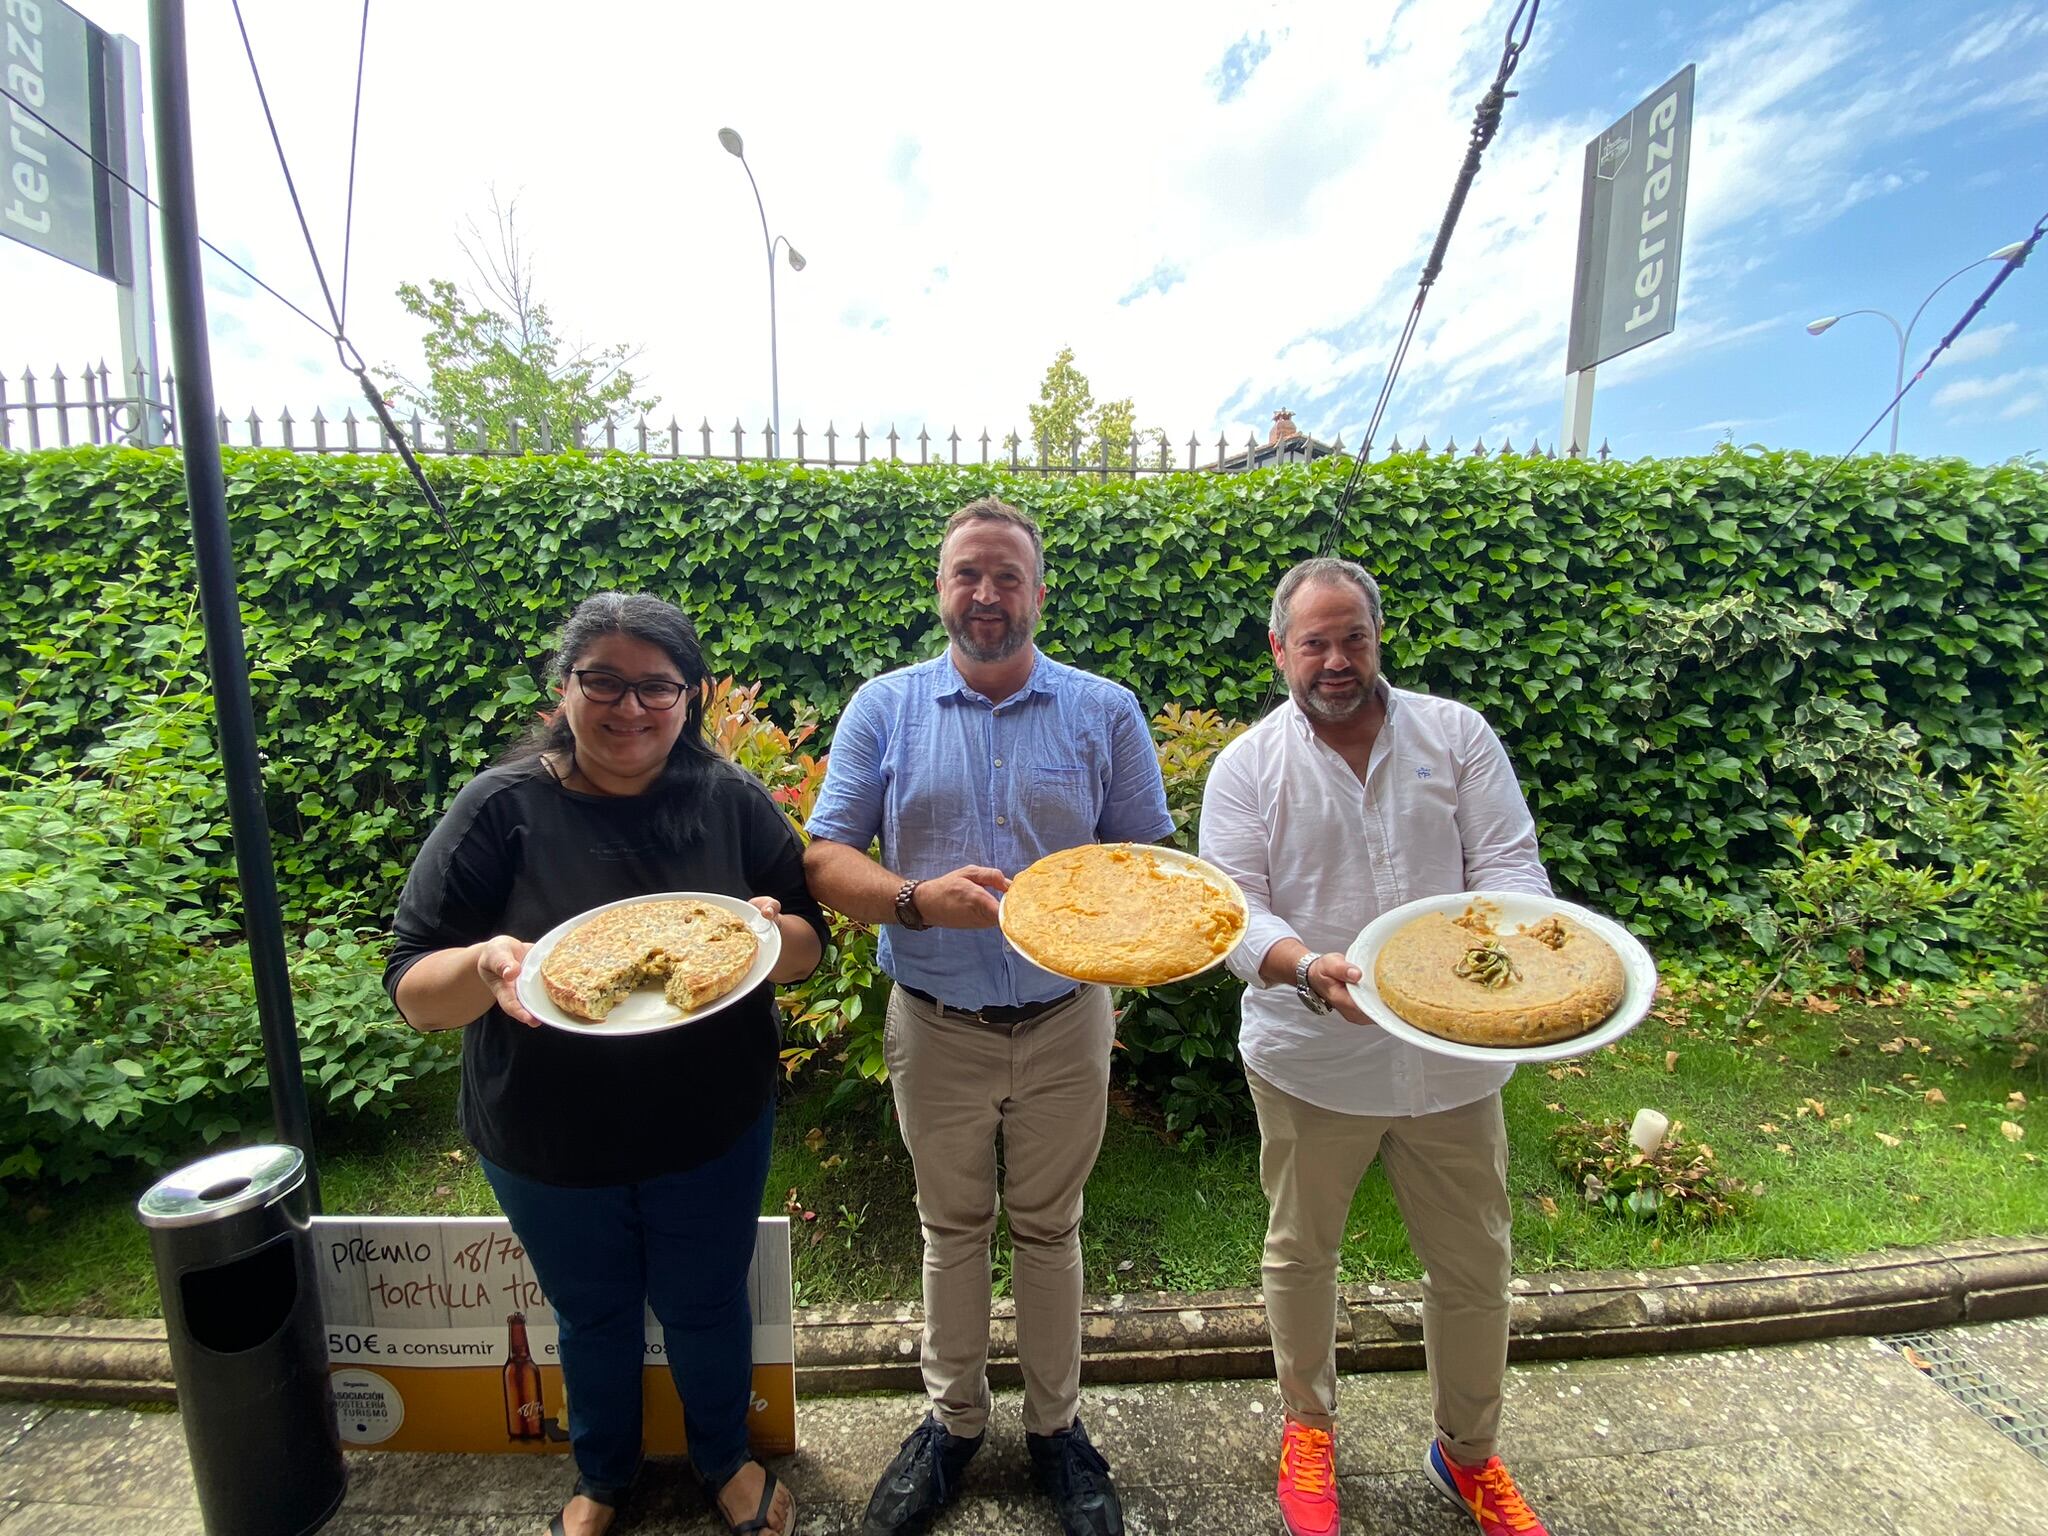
1647	1134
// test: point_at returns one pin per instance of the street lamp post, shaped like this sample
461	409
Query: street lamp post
738	150
1905	335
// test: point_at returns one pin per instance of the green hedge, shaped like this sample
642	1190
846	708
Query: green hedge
1660	735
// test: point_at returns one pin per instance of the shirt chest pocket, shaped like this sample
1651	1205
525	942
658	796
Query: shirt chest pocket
1428	805
933	807
1064	798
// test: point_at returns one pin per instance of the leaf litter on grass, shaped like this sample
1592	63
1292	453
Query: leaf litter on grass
1193	1216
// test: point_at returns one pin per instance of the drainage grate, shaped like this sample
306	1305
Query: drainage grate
1950	1366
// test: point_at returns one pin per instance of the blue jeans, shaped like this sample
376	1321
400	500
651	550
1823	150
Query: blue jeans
681	1243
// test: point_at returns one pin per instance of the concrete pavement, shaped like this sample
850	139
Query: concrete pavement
1848	1434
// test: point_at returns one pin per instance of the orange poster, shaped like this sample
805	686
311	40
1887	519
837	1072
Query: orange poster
439	1339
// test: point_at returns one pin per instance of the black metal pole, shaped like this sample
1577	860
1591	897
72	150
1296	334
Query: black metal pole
220	607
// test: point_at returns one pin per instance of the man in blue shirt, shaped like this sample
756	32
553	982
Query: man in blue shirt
967	768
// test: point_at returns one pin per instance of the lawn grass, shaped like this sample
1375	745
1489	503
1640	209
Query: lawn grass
1162	1216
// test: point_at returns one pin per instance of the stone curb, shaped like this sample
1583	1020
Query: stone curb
1173	1336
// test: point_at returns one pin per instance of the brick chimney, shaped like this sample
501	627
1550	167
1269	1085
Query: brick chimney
1283	428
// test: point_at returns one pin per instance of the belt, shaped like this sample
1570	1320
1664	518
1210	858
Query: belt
1001	1013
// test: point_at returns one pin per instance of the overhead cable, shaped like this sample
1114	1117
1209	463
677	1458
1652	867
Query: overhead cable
109	171
344	349
1485	124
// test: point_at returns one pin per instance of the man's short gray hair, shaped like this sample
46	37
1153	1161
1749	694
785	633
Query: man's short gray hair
993	509
1329	571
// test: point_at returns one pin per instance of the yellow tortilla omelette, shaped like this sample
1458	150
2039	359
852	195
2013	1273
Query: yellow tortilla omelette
1122	914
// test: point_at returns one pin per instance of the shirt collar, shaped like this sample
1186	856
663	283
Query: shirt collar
1297	717
948	683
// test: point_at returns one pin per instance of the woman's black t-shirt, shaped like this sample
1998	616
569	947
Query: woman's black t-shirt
517	854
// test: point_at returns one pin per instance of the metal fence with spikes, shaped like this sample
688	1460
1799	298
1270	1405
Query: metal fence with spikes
88	409
58	412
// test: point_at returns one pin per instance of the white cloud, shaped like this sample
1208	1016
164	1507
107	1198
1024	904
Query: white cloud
1977	345
1961	392
1877	184
1731	425
1997	34
2025	405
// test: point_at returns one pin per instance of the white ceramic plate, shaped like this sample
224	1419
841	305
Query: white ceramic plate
646	1011
1515	908
1171	861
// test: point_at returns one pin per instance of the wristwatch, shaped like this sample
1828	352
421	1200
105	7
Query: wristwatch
906	907
1311	999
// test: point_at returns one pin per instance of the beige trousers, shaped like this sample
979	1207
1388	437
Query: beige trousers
1044	1087
1449	1173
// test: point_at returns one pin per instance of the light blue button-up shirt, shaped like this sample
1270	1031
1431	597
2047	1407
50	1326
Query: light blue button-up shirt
944	778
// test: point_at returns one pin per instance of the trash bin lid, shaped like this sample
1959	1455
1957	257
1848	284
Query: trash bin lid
221	1185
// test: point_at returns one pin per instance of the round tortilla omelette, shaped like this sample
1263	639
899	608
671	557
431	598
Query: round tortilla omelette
695	951
1122	914
1459	979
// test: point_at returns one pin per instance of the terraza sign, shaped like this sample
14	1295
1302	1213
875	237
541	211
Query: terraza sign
62	83
1631	225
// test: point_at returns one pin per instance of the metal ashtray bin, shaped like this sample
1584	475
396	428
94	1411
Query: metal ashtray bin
234	1263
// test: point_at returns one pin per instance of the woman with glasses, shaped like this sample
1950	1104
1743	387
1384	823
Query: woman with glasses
631	1167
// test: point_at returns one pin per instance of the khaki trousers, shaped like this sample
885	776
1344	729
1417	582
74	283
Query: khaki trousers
1044	1087
1449	1173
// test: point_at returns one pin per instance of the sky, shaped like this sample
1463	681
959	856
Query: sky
1222	209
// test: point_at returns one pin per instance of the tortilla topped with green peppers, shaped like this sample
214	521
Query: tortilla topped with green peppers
1461	979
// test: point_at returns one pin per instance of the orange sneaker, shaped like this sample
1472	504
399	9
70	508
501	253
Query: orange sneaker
1488	1492
1308	1481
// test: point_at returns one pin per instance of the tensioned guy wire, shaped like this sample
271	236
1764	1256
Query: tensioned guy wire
108	170
1485	124
348	222
344	349
263	99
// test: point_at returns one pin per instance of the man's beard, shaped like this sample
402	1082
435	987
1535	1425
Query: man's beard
1016	635
1336	710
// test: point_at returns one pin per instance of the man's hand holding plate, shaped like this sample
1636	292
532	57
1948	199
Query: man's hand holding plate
1331	976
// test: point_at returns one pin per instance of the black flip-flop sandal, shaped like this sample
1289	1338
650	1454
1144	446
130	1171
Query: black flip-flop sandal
760	1521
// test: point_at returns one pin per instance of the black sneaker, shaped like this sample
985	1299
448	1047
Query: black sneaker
1076	1478
917	1484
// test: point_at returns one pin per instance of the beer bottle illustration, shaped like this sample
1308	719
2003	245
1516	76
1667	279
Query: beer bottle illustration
522	1384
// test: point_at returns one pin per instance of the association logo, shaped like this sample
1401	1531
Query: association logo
367	1407
1613	154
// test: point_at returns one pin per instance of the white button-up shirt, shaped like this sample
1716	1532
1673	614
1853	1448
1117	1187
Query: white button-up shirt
1320	854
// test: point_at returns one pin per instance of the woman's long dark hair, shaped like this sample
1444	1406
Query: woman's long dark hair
677	797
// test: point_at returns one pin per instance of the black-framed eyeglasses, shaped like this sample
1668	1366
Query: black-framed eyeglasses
609	688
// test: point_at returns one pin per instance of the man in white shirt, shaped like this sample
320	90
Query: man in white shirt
1345	802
